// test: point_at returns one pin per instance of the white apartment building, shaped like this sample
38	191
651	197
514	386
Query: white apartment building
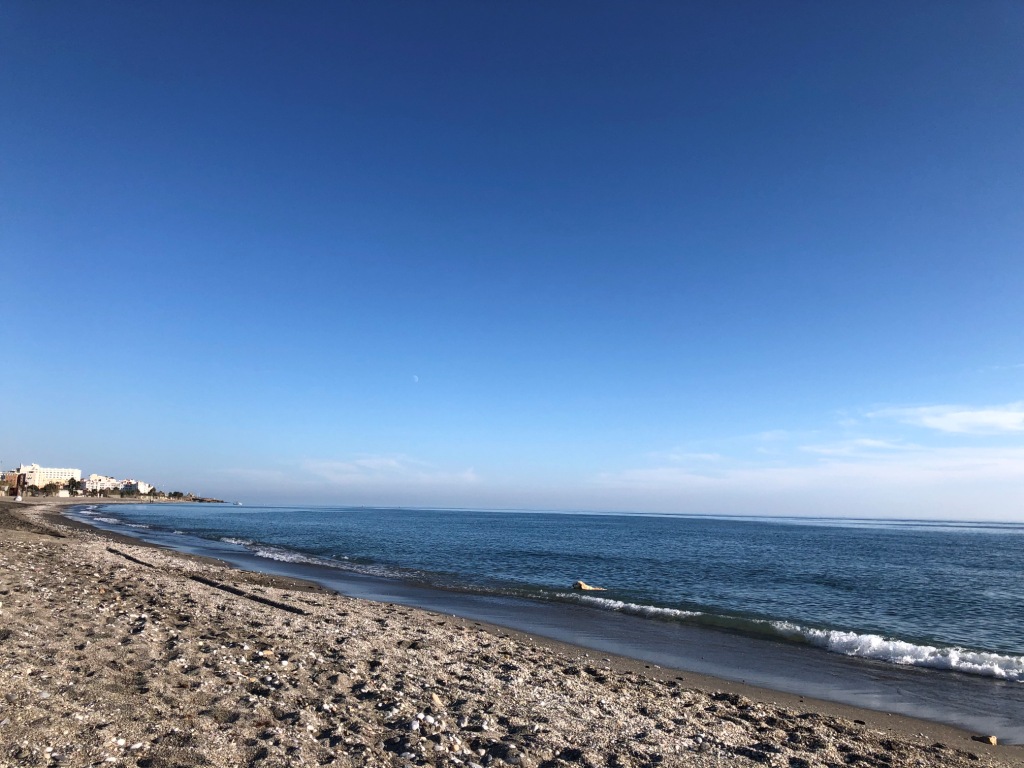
40	476
136	485
101	483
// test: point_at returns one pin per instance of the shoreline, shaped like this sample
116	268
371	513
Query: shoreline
973	703
734	735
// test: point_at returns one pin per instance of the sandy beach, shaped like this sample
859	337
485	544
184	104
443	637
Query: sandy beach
113	652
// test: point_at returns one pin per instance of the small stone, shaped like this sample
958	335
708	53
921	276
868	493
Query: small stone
435	701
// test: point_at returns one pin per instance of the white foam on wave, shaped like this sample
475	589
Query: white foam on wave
286	555
635	609
999	666
239	542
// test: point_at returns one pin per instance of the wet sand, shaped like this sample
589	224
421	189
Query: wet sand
112	652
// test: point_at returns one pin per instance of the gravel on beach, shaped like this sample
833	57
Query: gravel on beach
113	653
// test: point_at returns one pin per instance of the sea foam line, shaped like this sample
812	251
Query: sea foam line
635	609
865	646
239	542
868	646
284	555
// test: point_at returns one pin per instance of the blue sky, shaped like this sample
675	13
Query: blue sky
723	257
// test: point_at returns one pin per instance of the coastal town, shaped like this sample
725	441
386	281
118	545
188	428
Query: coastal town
65	482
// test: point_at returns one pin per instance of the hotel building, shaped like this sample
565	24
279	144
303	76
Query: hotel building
41	476
101	483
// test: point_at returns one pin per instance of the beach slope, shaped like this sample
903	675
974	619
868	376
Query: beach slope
113	653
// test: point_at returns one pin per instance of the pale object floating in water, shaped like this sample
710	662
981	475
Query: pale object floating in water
582	585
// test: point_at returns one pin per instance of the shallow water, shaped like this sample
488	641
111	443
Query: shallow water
750	600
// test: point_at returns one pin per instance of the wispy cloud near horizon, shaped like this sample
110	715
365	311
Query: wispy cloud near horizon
988	420
971	473
392	478
385	470
961	483
858	446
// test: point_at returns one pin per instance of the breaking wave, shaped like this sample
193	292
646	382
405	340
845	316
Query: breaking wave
999	666
865	646
634	609
285	555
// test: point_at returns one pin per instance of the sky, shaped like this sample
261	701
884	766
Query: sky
726	258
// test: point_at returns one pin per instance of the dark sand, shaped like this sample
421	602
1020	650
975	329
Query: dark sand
112	652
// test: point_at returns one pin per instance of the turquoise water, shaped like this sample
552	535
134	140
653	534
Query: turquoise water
938	595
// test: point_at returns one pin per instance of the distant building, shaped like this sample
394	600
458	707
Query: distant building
101	483
136	485
41	476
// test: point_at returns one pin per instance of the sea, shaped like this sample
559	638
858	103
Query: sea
922	618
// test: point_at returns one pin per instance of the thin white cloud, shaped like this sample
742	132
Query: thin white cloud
990	420
685	457
384	471
369	479
857	447
1011	367
773	435
965	483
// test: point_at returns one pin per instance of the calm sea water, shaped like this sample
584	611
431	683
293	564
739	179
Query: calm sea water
939	595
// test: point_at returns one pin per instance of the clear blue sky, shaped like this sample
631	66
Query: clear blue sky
736	257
